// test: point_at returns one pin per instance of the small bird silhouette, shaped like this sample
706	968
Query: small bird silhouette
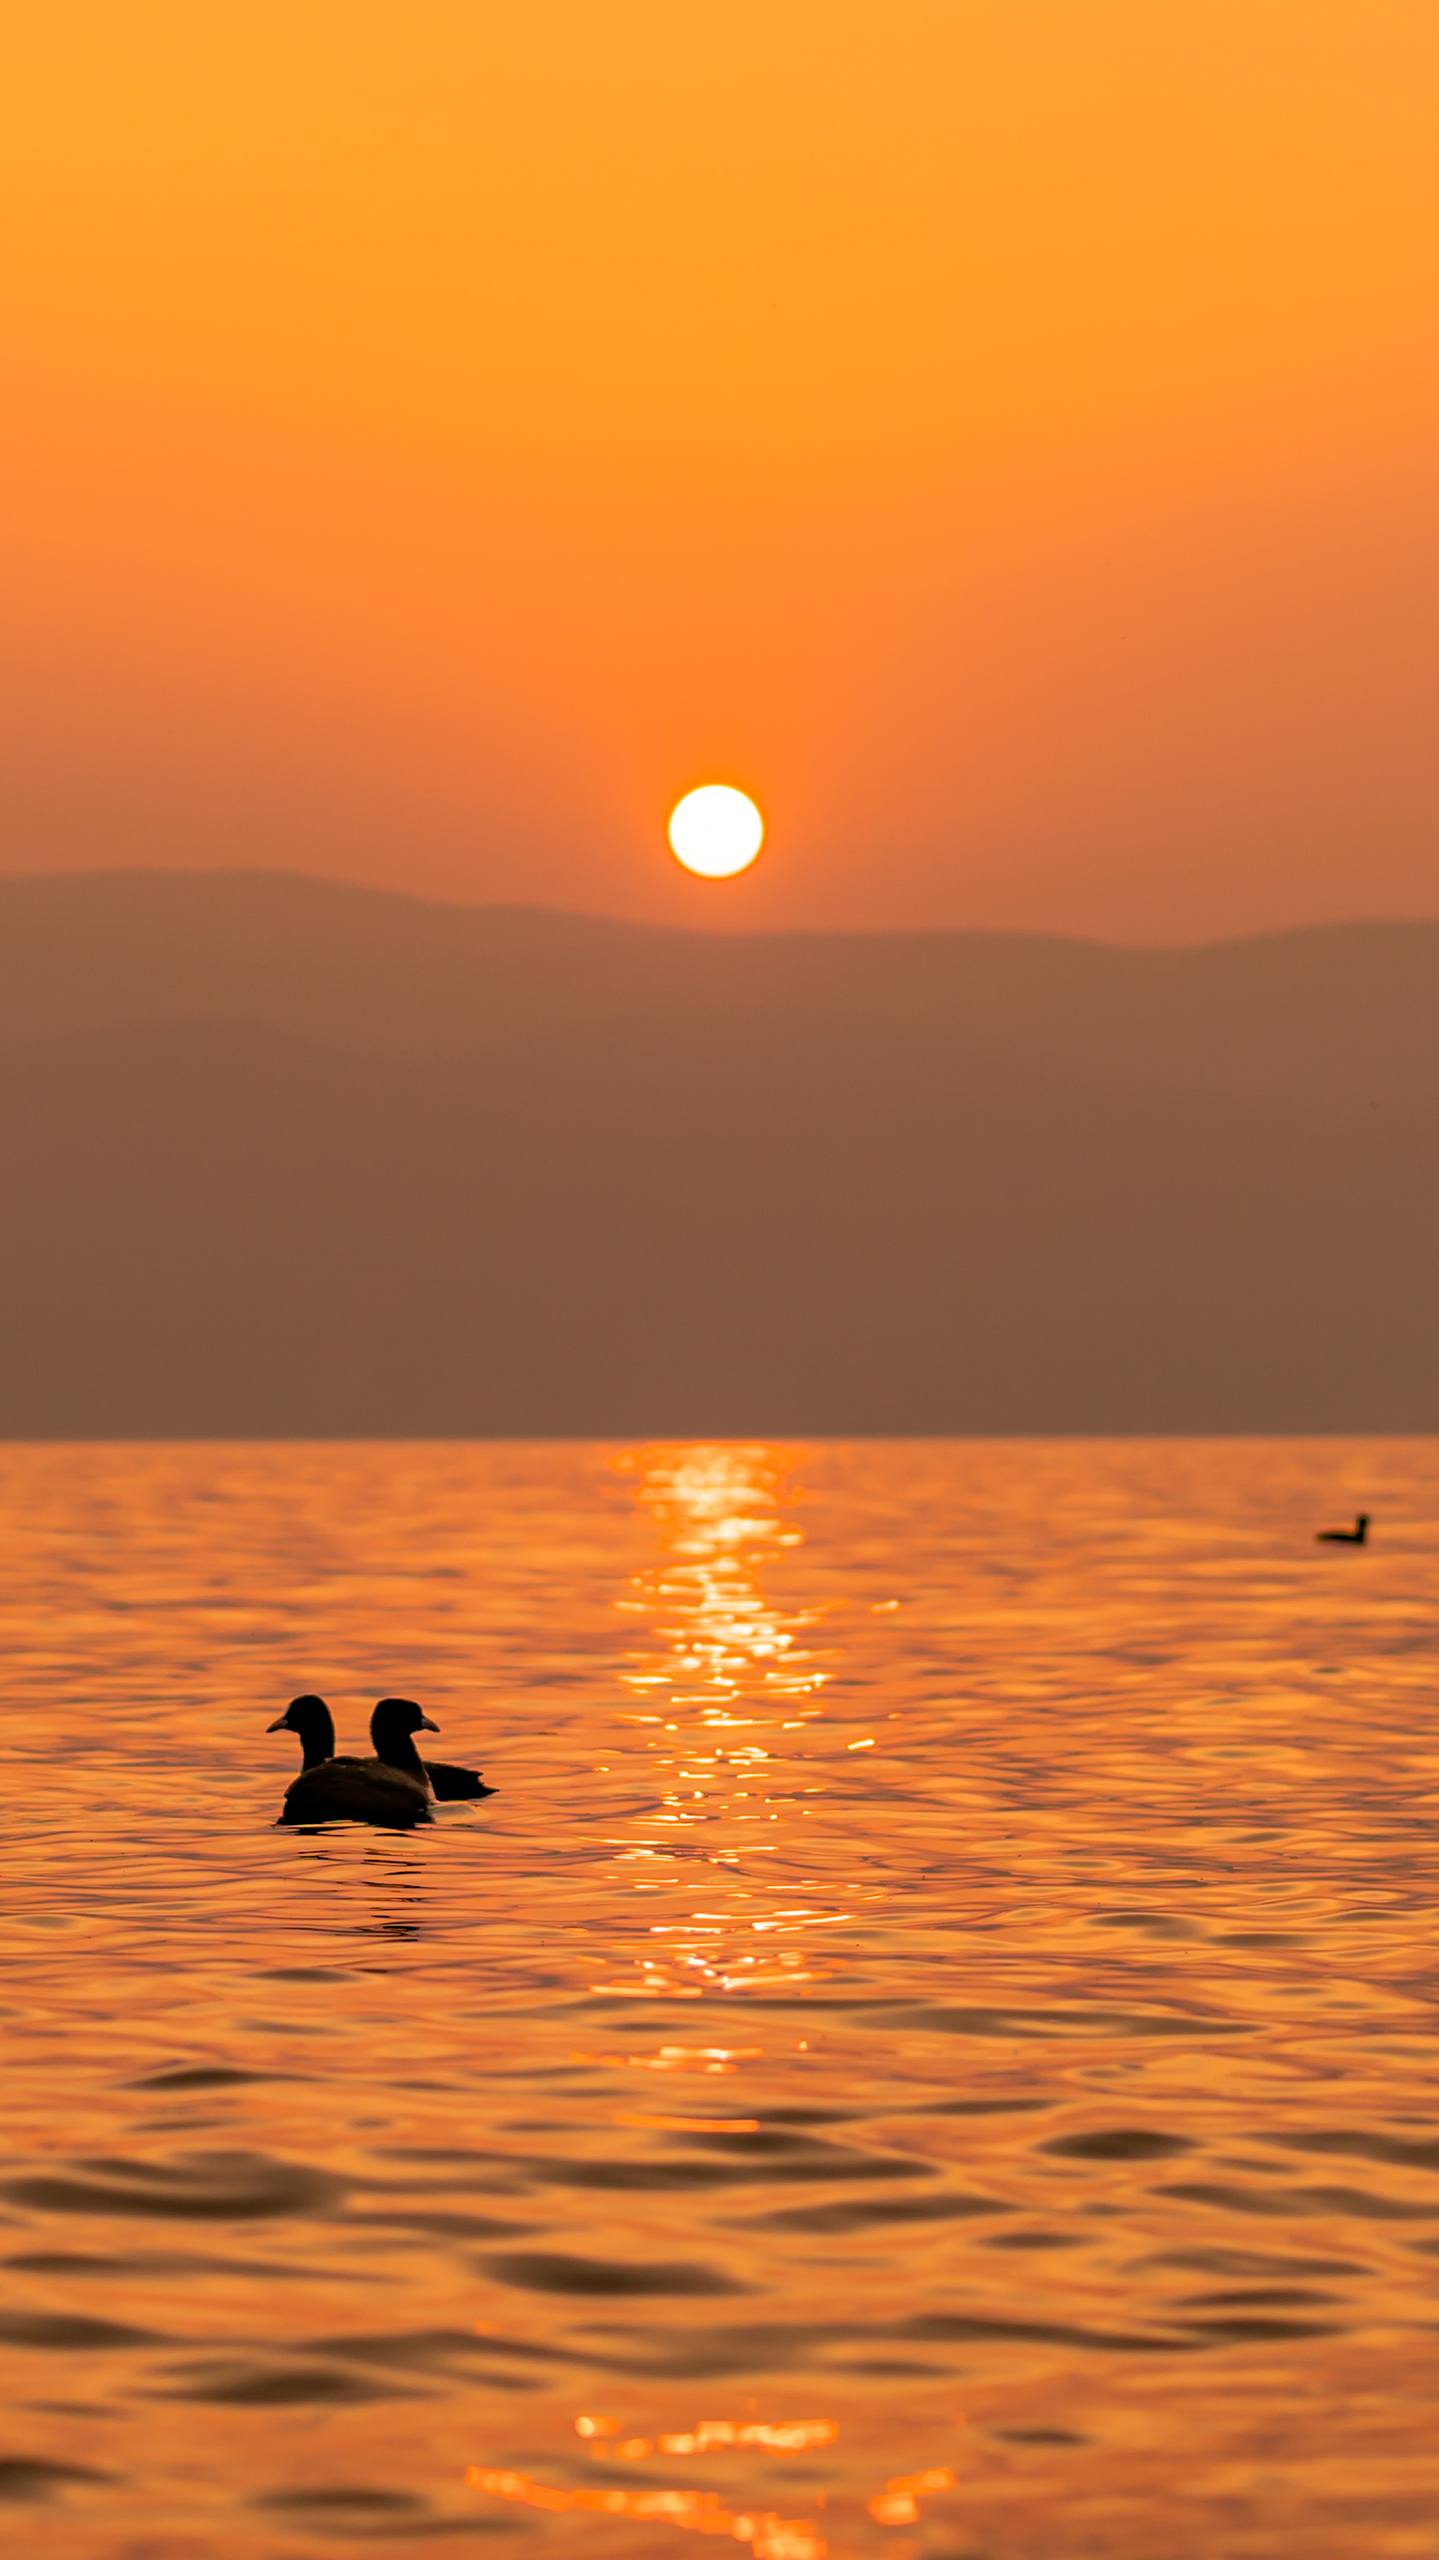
396	1718
391	1790
311	1719
1354	1537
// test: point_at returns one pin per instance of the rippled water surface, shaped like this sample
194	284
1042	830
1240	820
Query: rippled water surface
930	2050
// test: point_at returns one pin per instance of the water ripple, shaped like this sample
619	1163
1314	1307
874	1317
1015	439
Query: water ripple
930	2051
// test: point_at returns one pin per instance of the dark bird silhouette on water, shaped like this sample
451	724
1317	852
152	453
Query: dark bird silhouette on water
341	1788
1354	1537
390	1734
394	1789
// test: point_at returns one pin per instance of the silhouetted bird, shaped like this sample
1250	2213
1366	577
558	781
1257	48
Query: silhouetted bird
384	1790
1354	1537
311	1719
450	1784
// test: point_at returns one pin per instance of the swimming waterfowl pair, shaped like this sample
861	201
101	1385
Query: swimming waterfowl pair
395	1788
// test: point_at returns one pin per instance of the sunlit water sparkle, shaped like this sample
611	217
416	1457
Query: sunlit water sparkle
930	2051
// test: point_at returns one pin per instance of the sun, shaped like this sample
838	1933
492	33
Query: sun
715	831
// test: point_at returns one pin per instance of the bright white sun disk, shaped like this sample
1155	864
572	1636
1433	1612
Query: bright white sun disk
716	831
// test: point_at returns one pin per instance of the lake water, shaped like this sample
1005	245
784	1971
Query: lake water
931	2050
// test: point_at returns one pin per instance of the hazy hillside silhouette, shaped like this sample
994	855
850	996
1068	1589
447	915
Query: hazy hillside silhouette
285	1157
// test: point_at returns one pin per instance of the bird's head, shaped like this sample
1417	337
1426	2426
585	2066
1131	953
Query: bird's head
311	1719
394	1717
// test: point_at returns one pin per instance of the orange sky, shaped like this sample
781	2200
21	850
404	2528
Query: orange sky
999	433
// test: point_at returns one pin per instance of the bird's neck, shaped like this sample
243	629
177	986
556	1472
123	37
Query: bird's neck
399	1753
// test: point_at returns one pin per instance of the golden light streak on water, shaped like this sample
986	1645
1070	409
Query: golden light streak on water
768	2536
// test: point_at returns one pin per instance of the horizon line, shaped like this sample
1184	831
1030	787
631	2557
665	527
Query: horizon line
332	885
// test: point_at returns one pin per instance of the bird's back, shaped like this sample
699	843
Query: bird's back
453	1785
357	1791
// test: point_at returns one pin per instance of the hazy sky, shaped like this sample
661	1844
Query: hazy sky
999	433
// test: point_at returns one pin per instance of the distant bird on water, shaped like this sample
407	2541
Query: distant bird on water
1354	1537
394	1789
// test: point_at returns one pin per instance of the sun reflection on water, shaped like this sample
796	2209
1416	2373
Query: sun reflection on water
725	1689
770	2536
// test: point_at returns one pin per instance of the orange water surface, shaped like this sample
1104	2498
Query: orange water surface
930	2051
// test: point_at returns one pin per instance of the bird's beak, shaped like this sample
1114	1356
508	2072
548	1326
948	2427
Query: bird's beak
427	1726
280	1725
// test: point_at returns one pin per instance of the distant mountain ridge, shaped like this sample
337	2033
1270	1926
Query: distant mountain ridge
379	970
281	1156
